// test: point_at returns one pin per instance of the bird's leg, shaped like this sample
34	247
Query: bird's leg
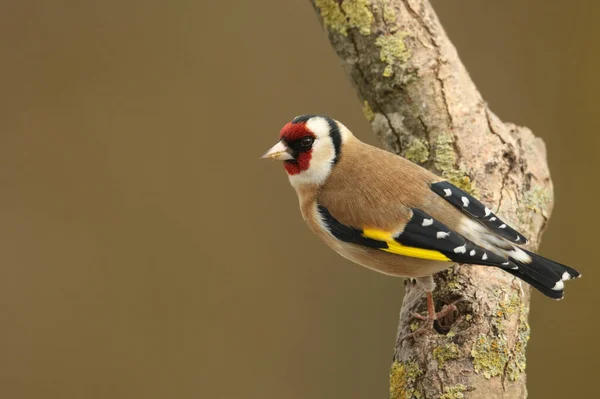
431	313
428	285
430	318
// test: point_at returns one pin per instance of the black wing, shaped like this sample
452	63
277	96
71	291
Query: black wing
423	231
475	209
423	237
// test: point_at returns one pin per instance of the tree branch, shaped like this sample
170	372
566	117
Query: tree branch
423	105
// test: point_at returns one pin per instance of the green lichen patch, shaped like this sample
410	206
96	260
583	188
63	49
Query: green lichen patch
332	15
445	162
368	112
359	15
490	355
453	285
341	16
416	151
403	378
454	392
445	158
509	305
449	286
389	13
393	51
517	363
444	353
461	180
535	201
414	326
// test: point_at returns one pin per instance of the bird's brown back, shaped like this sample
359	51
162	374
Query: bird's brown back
370	187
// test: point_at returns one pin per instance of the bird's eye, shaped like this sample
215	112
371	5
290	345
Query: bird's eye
306	141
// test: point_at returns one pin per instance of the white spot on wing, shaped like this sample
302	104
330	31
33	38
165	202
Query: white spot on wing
558	286
515	267
472	253
518	238
493	219
442	234
487	211
465	201
566	276
460	250
502	226
484	257
427	222
448	192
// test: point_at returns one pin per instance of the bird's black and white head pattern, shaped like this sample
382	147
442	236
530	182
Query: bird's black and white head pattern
313	145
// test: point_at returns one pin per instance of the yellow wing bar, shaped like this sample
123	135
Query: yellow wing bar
399	249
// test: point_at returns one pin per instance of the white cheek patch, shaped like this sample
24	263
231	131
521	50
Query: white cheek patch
323	153
319	166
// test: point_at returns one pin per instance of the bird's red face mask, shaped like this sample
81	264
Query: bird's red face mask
294	148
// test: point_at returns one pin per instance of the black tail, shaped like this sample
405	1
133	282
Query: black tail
543	274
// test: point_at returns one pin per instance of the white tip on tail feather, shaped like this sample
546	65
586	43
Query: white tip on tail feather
558	286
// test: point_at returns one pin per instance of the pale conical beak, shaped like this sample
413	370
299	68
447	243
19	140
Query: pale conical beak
279	152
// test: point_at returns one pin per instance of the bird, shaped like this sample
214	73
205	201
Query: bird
383	212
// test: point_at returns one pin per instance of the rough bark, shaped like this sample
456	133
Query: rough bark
423	105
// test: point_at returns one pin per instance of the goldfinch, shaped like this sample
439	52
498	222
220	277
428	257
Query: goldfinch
383	212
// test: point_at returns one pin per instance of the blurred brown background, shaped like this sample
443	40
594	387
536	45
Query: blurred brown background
145	250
